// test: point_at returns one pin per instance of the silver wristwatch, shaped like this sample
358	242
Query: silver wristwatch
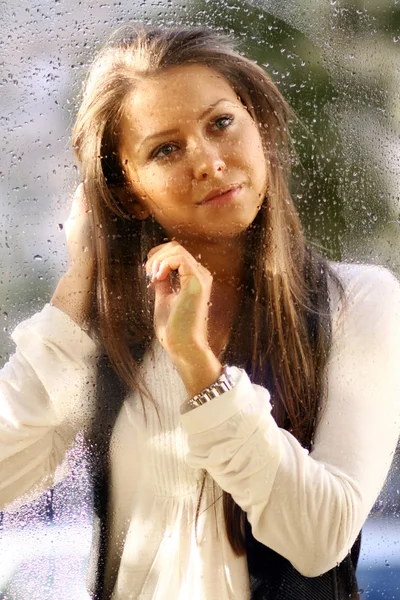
224	383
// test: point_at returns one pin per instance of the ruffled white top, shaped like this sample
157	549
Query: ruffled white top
309	507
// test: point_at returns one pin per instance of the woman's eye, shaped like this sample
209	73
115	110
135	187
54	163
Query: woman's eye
163	151
223	122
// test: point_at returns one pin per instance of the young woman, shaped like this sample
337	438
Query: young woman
239	394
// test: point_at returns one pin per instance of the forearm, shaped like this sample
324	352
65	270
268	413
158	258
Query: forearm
294	504
198	371
310	507
73	294
46	397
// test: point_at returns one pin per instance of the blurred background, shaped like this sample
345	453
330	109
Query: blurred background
338	64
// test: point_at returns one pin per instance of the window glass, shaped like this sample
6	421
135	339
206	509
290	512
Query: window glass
336	62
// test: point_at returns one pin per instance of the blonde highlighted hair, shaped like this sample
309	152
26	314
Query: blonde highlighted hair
282	337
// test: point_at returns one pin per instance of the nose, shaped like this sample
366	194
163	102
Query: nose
207	160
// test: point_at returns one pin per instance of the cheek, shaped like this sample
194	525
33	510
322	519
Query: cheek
247	139
160	185
258	161
255	142
258	152
148	180
171	180
252	152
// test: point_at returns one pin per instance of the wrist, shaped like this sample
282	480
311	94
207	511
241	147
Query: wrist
82	269
73	295
225	382
199	372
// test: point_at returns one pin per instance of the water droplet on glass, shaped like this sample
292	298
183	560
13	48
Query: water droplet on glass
37	257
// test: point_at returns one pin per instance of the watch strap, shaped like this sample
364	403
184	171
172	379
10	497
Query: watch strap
224	383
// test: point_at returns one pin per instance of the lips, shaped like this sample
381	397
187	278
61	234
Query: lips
219	192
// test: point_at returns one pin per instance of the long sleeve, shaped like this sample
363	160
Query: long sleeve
46	390
310	507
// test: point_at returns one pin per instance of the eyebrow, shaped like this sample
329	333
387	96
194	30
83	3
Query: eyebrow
173	131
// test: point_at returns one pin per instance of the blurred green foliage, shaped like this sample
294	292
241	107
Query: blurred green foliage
339	195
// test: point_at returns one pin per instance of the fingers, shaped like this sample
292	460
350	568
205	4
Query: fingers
150	264
180	316
166	258
79	203
161	246
79	208
159	253
78	230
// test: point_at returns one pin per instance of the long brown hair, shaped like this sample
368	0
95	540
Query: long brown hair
284	297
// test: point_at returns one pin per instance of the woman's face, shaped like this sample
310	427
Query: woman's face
185	135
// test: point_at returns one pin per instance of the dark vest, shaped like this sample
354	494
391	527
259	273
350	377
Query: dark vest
272	577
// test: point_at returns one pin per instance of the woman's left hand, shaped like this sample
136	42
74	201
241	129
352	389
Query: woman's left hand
180	317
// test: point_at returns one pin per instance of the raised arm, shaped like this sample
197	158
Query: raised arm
46	387
46	392
310	507
73	294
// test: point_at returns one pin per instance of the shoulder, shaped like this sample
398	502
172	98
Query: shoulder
353	275
370	296
360	281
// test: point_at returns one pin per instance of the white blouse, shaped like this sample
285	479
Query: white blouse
307	507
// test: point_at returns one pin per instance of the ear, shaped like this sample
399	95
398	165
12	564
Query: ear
138	210
133	204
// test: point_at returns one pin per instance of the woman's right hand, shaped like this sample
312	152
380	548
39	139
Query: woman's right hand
79	235
73	294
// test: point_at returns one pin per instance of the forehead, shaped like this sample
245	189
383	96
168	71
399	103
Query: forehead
173	97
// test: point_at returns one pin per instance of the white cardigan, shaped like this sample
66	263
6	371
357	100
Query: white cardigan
307	507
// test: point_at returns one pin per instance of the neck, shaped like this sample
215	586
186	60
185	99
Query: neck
225	261
222	257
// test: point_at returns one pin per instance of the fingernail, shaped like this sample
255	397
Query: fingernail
144	263
154	270
148	279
